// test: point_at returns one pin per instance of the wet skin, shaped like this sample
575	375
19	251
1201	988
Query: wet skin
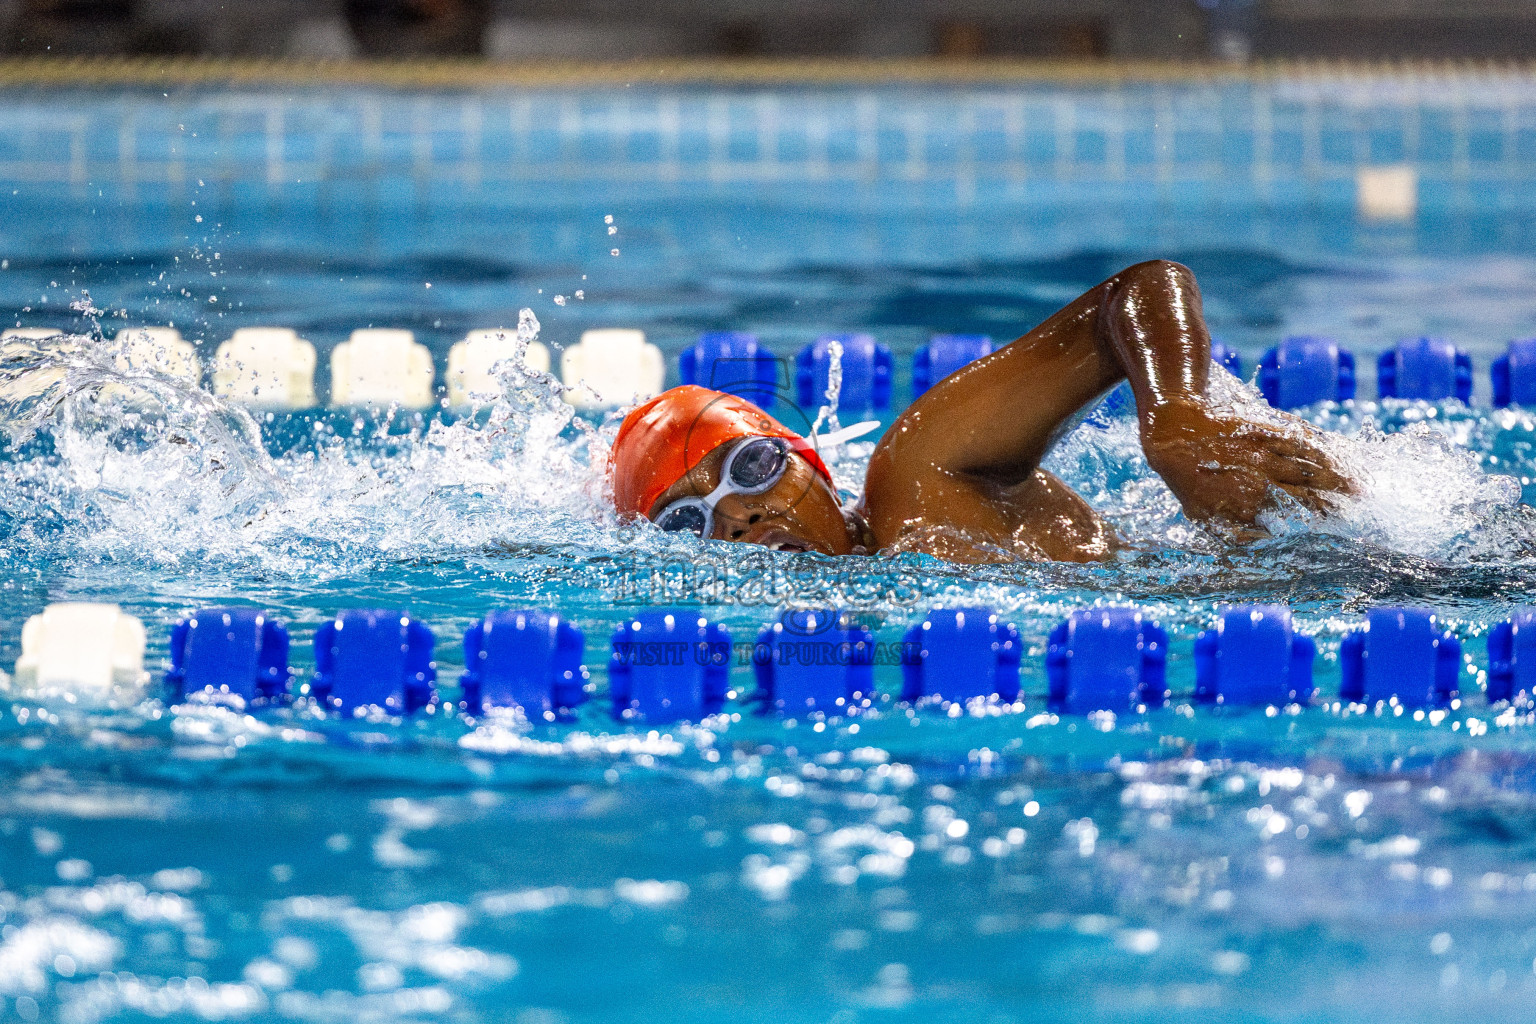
958	474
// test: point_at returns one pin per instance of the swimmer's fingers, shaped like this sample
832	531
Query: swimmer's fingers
1298	464
1237	493
1281	461
1309	478
1320	473
1321	502
1231	475
1298	471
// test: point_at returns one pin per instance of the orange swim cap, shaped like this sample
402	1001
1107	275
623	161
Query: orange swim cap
662	440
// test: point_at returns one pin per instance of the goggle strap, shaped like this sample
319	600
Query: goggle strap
836	439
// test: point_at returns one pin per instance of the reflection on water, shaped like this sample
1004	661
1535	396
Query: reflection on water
934	870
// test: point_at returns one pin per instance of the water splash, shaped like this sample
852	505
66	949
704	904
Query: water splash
1421	492
108	463
827	414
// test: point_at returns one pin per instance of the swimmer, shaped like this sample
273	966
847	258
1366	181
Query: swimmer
958	473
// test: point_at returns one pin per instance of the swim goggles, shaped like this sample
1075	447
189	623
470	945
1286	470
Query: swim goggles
753	465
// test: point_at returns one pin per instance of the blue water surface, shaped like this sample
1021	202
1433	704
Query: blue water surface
1311	864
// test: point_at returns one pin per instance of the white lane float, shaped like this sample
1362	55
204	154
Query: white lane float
612	367
84	653
472	363
380	367
28	383
161	349
266	367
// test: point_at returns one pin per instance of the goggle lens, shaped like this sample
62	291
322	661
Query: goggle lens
684	519
759	464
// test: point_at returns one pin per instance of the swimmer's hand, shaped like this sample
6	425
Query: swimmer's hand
1222	468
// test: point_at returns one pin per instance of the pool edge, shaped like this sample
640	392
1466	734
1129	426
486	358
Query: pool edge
481	74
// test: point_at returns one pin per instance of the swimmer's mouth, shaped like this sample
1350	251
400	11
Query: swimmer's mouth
779	540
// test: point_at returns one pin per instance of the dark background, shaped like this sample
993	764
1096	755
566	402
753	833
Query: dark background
516	30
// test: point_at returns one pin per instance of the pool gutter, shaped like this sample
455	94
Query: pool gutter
480	74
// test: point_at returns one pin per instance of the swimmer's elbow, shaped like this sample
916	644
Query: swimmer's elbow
1156	272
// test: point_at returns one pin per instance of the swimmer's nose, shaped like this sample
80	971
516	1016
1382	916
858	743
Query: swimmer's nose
741	517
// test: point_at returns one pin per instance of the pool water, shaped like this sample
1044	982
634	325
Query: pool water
1007	864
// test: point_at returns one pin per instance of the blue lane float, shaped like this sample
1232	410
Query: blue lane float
943	355
669	666
1513	374
1107	659
1403	654
867	366
672	665
814	660
374	658
1303	370
528	658
1512	657
238	651
734	362
959	654
1426	369
1254	657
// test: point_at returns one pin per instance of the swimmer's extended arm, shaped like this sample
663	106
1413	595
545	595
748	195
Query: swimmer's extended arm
985	428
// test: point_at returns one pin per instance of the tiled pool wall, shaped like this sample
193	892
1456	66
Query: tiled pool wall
1277	140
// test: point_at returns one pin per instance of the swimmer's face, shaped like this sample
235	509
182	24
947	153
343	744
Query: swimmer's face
800	512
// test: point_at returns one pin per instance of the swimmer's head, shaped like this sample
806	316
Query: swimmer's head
709	463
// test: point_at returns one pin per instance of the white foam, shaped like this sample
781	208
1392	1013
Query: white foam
1420	492
188	479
